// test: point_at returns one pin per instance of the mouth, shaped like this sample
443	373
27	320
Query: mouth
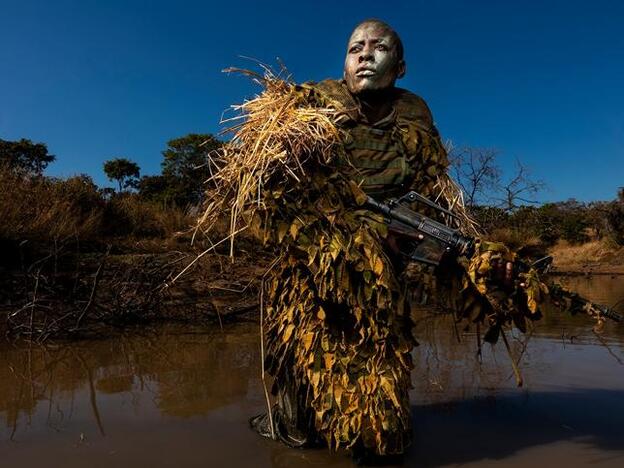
364	72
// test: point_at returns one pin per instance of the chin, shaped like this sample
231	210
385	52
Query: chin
371	88
363	87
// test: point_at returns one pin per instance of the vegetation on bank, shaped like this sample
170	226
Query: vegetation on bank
593	257
42	209
34	207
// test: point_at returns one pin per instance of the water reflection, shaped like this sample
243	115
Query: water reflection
177	372
175	395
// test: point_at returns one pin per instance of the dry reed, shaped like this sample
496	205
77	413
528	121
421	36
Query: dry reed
275	135
451	195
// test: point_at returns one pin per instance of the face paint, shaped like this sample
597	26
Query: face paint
372	61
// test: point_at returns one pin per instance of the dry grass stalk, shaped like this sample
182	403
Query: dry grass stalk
274	135
453	197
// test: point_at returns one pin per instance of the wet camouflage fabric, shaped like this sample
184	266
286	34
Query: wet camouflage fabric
337	327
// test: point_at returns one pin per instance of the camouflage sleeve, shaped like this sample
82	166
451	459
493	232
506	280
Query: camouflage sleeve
485	297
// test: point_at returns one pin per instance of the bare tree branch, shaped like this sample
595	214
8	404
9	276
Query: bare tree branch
520	189
477	172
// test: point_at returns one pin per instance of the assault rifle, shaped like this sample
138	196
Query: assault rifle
432	240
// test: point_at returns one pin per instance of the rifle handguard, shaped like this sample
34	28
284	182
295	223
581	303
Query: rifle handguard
451	238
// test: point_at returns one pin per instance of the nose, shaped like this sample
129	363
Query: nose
366	55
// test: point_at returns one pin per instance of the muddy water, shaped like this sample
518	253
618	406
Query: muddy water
177	396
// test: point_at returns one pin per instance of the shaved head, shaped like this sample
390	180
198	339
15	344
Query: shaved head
374	59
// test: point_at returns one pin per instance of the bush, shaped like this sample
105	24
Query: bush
41	208
615	218
130	215
548	223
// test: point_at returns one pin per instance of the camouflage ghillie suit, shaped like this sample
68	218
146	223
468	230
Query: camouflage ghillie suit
337	328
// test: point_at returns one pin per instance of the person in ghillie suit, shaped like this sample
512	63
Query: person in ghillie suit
337	325
335	320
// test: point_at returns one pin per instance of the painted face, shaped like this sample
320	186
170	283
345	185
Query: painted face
372	62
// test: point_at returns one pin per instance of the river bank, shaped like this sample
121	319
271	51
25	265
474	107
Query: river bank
77	292
73	291
591	258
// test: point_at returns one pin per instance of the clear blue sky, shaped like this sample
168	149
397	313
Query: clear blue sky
539	80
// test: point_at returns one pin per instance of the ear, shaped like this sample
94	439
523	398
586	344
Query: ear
401	69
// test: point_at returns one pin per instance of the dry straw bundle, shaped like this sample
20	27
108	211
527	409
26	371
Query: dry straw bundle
274	135
450	194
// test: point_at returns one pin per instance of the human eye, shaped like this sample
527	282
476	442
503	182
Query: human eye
355	48
382	47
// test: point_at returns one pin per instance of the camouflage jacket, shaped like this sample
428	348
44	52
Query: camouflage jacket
401	151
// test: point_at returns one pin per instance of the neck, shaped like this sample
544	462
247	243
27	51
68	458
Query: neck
375	105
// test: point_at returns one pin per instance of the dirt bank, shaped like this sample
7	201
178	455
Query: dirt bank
596	257
71	293
67	292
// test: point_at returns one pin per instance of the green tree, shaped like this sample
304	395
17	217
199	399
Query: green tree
185	166
574	221
124	171
154	188
25	156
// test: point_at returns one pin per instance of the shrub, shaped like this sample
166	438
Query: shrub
615	218
130	215
41	208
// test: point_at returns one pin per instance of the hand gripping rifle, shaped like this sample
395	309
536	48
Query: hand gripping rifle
433	240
